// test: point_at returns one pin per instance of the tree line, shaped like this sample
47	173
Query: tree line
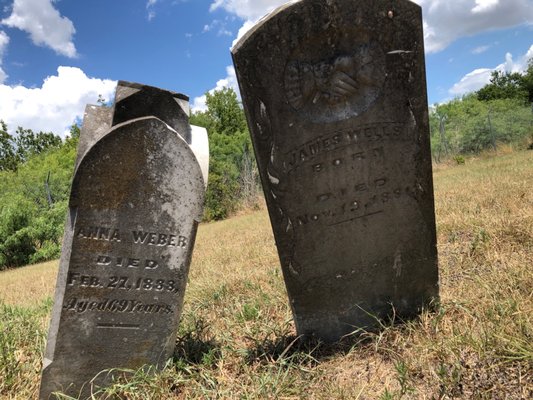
501	112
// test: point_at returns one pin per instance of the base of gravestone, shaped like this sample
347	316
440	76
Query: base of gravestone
329	328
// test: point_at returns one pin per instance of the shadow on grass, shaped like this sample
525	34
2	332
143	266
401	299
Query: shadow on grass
301	349
281	346
196	345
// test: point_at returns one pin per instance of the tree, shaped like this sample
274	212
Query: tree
71	141
16	245
528	81
249	176
225	112
232	175
504	85
29	143
75	132
34	197
8	155
439	141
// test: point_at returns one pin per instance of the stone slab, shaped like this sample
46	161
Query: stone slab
136	201
335	97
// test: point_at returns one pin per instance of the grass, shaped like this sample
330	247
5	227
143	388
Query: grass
28	286
237	341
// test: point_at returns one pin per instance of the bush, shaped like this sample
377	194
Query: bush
16	244
232	176
221	197
33	204
468	125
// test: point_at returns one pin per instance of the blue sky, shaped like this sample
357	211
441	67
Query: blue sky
58	55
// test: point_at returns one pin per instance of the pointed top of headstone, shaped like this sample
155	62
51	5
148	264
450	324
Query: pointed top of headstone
261	21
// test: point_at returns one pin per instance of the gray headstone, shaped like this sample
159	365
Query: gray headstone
335	97
137	198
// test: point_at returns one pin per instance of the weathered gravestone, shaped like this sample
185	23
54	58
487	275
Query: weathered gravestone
137	197
335	97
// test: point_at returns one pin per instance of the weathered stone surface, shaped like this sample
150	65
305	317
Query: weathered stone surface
133	100
335	97
136	200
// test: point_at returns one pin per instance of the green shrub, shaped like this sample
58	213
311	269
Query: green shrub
460	160
33	200
16	244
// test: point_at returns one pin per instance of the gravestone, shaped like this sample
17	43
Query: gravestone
136	201
335	97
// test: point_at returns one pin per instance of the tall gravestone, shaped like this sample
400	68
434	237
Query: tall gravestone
335	96
136	201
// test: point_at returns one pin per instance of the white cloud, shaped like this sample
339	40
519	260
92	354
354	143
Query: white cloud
478	78
220	26
448	20
151	13
247	9
528	56
485	5
54	106
480	49
4	41
472	81
224	32
199	103
45	25
230	81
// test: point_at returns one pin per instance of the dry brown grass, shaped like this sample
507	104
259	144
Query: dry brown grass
236	339
29	285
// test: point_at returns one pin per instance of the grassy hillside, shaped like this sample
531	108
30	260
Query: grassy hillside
237	340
